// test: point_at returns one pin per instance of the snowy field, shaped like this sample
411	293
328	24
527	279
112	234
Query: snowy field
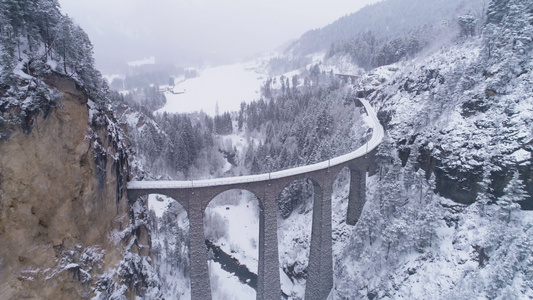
228	85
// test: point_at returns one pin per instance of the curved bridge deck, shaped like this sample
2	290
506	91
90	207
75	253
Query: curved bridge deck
194	196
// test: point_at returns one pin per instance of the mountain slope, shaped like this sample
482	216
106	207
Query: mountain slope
386	19
459	127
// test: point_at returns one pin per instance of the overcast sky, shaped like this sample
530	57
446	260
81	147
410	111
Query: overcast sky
187	31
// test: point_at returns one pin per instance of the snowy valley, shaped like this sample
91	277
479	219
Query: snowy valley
449	190
412	240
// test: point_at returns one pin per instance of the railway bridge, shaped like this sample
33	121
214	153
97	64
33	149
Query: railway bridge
194	196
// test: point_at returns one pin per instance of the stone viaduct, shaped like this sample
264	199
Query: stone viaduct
194	196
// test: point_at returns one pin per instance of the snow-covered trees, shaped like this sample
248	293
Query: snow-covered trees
170	247
147	99
386	20
37	41
170	145
508	34
467	25
290	130
437	242
223	124
477	139
513	193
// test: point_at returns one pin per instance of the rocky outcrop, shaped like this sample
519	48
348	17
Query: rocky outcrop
60	200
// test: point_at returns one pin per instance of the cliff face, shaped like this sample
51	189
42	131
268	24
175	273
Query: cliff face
59	203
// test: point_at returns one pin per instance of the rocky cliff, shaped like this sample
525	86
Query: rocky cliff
66	228
64	220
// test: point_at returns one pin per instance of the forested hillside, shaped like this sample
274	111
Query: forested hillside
443	217
38	41
389	31
453	91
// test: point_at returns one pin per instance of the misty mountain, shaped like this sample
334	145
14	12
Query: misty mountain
386	20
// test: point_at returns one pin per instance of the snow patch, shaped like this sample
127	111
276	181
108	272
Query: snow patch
226	86
159	204
521	155
146	61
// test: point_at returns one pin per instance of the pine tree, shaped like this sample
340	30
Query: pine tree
324	124
283	159
240	120
385	154
255	168
514	192
497	10
483	196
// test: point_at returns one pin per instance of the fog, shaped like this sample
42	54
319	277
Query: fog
187	32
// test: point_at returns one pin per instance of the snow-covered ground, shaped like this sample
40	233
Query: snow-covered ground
225	286
227	85
239	213
159	204
146	61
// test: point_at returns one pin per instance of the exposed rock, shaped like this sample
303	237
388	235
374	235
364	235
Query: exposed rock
55	215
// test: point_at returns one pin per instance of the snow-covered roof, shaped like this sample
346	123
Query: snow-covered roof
377	136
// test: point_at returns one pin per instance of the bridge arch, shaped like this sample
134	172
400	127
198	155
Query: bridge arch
231	226
296	210
223	189
174	194
164	212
